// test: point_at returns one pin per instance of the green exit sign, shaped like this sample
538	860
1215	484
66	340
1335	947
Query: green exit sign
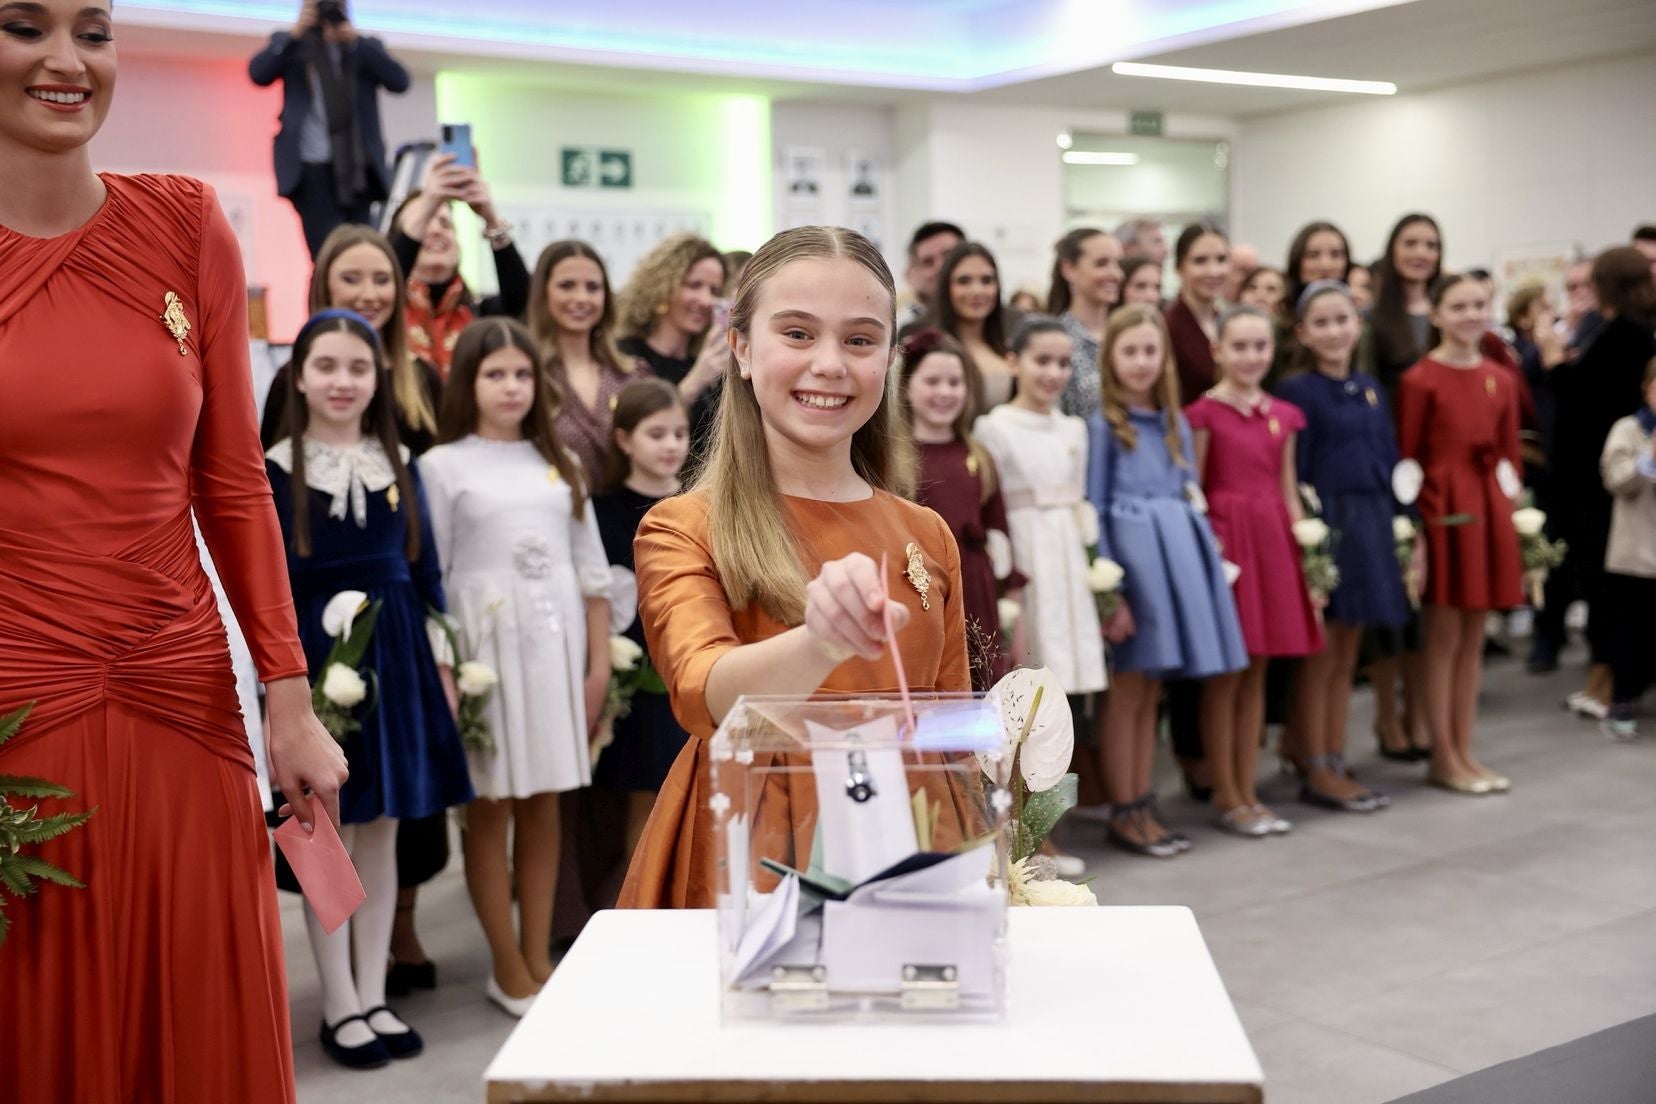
595	168
1148	123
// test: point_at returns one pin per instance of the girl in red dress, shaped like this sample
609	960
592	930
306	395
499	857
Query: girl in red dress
1245	456
125	403
1458	419
957	479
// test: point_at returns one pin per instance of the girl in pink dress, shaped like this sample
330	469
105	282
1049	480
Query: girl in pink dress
1245	456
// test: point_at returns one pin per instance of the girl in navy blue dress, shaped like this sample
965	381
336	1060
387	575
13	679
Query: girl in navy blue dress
648	446
353	518
1177	619
1346	451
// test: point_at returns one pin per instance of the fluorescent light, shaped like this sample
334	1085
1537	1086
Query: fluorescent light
1255	80
1086	157
1064	140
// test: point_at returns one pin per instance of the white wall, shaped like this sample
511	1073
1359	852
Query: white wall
1562	155
840	131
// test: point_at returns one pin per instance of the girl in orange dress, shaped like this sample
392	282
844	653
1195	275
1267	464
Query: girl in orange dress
764	578
125	403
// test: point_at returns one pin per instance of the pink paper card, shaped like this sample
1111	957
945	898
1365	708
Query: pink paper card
323	867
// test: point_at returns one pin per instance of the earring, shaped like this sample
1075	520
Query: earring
661	309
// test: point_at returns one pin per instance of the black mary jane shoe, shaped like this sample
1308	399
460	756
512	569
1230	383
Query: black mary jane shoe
370	1055
398	1044
402	978
1364	801
1409	754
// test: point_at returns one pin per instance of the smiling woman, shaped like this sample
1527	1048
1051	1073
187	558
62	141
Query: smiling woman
123	329
765	578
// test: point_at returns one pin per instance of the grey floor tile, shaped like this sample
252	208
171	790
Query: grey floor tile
1308	1064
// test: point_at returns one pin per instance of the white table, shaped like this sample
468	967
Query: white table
1111	1004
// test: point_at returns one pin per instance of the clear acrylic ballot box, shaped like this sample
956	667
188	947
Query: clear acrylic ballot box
862	857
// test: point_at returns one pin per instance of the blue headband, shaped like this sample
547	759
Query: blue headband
334	313
1316	288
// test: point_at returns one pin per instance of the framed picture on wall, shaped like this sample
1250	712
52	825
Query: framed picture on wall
1514	266
802	171
862	180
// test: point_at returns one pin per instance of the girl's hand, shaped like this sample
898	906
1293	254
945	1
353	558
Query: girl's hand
1415	578
597	690
1120	626
451	692
303	757
845	609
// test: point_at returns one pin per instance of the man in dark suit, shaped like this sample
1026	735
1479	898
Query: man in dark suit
330	154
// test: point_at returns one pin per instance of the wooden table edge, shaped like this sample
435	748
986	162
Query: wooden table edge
876	1092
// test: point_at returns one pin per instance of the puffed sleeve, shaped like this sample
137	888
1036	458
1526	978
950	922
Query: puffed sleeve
439	502
1100	456
1291	417
229	489
687	619
954	671
994	521
428	569
591	565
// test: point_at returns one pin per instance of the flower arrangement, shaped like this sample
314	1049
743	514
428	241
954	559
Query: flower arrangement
25	827
349	618
473	681
1404	535
630	674
1538	554
1104	575
1034	774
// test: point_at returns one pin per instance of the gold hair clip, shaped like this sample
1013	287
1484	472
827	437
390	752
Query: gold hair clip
916	574
176	323
393	497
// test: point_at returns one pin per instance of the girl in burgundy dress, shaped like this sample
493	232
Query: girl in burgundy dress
1245	456
1458	422
957	479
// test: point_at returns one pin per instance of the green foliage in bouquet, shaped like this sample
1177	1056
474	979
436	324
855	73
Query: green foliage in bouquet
339	716
23	827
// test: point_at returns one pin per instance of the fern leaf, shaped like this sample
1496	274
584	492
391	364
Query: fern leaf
23	786
36	867
11	722
50	828
13	878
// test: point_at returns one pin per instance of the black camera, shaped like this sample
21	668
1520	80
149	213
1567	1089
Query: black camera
331	11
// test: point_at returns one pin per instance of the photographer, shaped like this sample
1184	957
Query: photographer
330	154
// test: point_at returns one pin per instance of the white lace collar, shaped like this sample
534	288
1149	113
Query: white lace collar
348	474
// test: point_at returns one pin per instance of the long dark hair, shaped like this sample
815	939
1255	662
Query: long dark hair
640	399
943	314
1296	260
1067	250
379	421
459	414
917	347
1395	347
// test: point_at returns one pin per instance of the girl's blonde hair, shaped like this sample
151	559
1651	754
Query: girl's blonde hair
756	550
652	285
1165	391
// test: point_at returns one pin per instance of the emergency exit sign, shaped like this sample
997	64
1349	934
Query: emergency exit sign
1148	123
595	168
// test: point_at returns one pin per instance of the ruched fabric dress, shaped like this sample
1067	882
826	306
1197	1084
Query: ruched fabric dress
1243	483
1459	424
690	625
1184	617
162	980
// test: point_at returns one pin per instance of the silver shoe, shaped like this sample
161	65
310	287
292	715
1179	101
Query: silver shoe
1277	825
1243	821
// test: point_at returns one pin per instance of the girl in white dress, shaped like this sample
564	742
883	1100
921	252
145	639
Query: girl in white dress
1040	456
528	589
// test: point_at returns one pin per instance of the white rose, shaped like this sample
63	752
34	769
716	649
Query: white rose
1233	571
999	547
343	686
1310	532
1529	521
1086	520
1058	892
1008	612
475	679
1104	575
1402	529
624	654
341	610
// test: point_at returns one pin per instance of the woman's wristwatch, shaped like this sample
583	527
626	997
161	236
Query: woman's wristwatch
498	235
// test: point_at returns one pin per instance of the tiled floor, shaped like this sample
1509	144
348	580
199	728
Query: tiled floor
1369	957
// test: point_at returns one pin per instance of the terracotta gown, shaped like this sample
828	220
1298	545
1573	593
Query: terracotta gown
690	625
163	979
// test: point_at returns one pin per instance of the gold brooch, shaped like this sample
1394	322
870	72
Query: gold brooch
971	464
173	316
1373	399
1489	384
916	574
552	475
1275	426
393	497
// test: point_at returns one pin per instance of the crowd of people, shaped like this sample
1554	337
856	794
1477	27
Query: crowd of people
1106	477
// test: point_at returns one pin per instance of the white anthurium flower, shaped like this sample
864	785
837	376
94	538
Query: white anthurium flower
343	686
475	679
1310	532
999	547
1402	529
1086	520
1233	571
624	654
1045	755
1308	495
623	592
1506	477
1008	611
1529	521
1104	575
1407	479
341	610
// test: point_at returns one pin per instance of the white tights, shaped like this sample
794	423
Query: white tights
373	850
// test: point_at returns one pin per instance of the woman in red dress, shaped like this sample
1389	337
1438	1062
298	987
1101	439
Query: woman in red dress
125	401
1458	421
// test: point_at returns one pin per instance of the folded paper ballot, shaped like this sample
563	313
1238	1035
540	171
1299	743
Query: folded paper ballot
322	867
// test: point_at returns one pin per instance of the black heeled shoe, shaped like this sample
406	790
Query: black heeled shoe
1193	788
1165	846
402	978
370	1055
1410	754
398	1044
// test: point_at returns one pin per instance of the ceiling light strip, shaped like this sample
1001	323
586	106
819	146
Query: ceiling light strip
1253	80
